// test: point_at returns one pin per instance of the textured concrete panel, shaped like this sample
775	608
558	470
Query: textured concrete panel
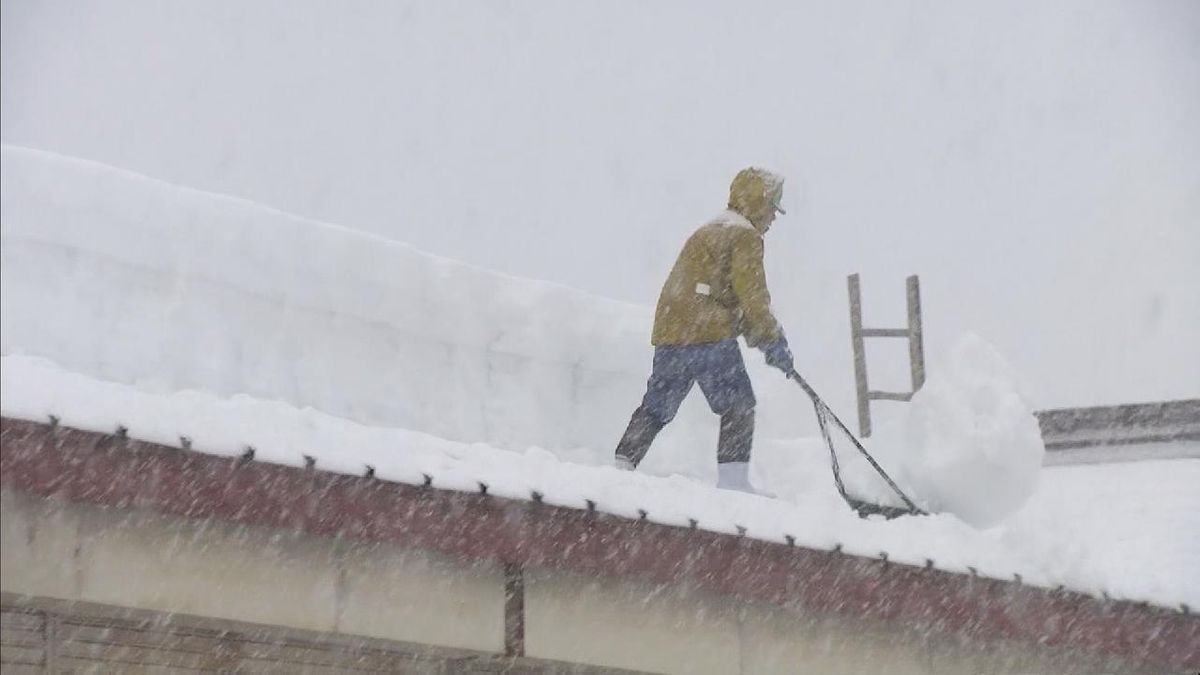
37	546
425	597
207	568
951	656
629	625
776	641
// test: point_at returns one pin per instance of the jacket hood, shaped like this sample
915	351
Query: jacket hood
754	192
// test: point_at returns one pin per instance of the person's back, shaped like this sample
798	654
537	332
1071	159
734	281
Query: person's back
717	280
717	290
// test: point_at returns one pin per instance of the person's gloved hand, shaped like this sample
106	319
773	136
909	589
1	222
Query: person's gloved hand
779	356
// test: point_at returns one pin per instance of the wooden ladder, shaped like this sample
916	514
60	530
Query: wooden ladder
916	349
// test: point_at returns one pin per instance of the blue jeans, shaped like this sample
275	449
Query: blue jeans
719	370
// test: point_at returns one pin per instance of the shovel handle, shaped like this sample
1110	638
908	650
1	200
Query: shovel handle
793	375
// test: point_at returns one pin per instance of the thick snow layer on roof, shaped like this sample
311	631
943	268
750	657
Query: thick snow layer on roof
1130	531
138	281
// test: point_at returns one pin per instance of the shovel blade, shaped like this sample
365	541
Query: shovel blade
864	509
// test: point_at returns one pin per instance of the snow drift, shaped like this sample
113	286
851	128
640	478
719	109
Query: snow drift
138	281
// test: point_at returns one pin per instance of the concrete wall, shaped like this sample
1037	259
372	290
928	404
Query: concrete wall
673	630
149	561
211	569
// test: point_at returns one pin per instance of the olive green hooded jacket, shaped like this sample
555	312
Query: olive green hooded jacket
717	289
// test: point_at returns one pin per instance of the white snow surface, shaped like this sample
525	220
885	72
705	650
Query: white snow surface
968	443
138	281
172	312
1126	531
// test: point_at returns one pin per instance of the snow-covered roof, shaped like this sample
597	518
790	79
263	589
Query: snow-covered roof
182	315
1125	532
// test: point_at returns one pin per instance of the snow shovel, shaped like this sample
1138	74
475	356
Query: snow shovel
862	508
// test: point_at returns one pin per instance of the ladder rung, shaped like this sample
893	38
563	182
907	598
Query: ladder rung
889	396
885	332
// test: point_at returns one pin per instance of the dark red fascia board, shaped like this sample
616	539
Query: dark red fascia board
112	471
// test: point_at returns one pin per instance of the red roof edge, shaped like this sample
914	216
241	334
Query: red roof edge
113	471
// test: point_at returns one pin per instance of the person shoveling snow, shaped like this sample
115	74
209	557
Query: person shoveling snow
716	291
967	444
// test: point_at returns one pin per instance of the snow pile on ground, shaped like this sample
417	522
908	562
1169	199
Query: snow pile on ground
1086	528
967	444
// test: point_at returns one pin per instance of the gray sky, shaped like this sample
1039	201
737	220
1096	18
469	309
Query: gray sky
1037	163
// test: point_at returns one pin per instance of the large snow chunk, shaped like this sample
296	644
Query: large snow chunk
968	445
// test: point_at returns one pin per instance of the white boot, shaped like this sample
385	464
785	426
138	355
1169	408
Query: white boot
735	476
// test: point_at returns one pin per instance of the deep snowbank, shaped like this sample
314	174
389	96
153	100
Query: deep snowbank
138	281
1094	529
